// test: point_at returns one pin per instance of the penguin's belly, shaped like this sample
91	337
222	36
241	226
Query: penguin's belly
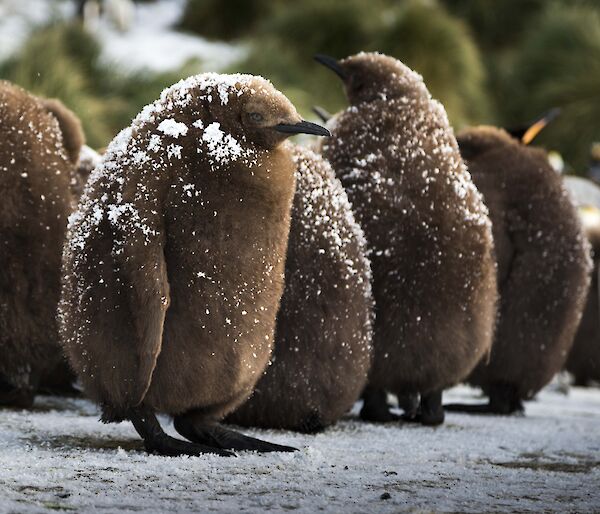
212	352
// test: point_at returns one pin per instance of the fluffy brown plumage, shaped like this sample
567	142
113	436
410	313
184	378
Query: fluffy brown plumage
173	270
543	265
434	277
323	334
38	139
584	358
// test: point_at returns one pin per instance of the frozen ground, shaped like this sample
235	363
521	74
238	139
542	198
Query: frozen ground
59	457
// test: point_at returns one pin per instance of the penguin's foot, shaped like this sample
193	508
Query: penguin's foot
312	424
16	398
156	441
504	400
430	411
409	403
215	435
375	407
66	389
479	408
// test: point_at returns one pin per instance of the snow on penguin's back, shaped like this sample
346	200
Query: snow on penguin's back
427	228
323	335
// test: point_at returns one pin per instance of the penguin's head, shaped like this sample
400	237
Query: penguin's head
372	76
474	141
263	115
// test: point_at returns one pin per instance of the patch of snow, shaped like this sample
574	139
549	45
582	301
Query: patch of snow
173	128
58	456
222	147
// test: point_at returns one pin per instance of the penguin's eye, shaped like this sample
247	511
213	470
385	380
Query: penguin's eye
256	117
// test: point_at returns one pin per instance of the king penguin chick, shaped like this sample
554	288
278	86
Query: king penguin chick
38	149
584	358
174	263
434	276
323	334
543	267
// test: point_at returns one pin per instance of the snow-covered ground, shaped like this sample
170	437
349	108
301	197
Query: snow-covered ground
151	42
59	457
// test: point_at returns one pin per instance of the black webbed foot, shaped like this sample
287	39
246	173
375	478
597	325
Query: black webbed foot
312	424
213	434
18	398
375	407
157	441
503	400
409	403
430	411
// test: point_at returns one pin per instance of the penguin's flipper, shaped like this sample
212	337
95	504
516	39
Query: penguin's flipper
148	298
124	297
192	427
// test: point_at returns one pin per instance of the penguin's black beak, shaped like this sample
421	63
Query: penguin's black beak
302	127
321	113
333	64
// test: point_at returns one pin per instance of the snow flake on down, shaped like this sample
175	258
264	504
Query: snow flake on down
155	143
173	128
222	148
174	151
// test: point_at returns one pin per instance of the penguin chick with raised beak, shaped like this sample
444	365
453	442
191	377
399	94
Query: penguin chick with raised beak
39	146
173	269
434	276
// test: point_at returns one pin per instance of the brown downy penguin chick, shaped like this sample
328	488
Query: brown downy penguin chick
38	148
584	358
434	276
173	268
322	349
543	267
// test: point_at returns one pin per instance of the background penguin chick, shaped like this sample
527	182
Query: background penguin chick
35	170
434	276
323	334
584	358
543	267
173	268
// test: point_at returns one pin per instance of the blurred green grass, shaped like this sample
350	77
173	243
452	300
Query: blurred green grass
488	61
105	98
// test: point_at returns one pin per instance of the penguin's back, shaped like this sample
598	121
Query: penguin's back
323	335
34	179
429	238
543	261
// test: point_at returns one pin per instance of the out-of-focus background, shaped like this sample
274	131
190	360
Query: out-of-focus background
489	61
